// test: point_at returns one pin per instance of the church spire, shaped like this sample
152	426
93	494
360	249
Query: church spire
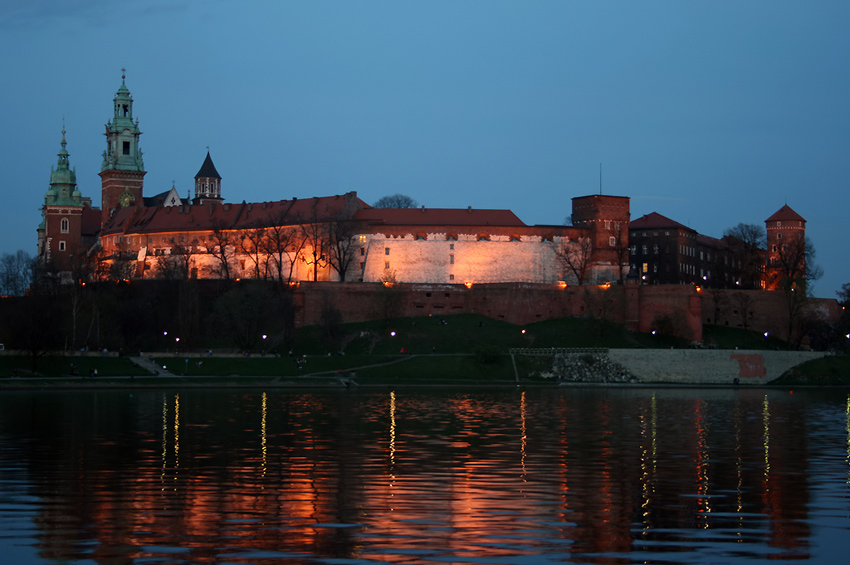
63	180
122	170
207	183
122	134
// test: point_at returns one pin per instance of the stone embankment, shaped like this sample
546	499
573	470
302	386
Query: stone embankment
674	366
709	366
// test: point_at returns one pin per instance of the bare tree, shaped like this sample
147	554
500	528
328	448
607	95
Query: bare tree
314	252
341	246
16	271
574	257
184	256
252	244
288	245
744	307
283	244
620	233
396	201
168	268
791	270
124	263
747	242
221	246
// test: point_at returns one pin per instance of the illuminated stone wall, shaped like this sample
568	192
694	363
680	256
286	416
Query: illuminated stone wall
465	260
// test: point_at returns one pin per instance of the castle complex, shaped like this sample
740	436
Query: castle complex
342	238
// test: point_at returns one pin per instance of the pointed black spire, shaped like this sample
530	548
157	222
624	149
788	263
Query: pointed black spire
208	169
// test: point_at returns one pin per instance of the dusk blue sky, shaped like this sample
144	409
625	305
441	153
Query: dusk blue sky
710	113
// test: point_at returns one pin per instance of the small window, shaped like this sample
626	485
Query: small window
387	265
451	277
386	252
362	239
483	237
778	224
362	252
65	224
126	148
452	246
451	259
779	236
451	237
612	241
61	246
515	237
420	236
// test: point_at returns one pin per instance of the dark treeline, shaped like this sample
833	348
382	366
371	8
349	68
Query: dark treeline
155	315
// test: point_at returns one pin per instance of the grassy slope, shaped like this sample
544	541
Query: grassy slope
458	347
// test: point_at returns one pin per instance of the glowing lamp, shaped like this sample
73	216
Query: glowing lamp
392	334
562	284
468	284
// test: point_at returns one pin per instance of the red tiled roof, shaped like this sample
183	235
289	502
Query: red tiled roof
656	221
438	217
205	217
785	214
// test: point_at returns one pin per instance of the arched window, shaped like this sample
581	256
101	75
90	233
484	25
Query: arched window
64	225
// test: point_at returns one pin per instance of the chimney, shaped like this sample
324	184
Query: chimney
423	209
469	209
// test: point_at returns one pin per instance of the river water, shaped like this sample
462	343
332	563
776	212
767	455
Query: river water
575	475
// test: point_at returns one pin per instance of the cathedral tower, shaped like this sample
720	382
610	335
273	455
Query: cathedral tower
59	235
122	171
207	183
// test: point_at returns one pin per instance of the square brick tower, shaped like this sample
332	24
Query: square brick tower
122	172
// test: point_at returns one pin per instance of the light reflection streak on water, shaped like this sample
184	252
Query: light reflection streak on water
176	438
522	410
648	461
263	437
847	430
739	500
563	460
164	439
766	423
455	481
703	498
392	439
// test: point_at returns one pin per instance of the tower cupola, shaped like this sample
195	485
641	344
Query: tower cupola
207	183
63	181
122	171
122	135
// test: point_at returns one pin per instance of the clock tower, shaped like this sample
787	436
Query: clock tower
122	171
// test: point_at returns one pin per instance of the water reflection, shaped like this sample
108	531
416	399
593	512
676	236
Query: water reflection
602	476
